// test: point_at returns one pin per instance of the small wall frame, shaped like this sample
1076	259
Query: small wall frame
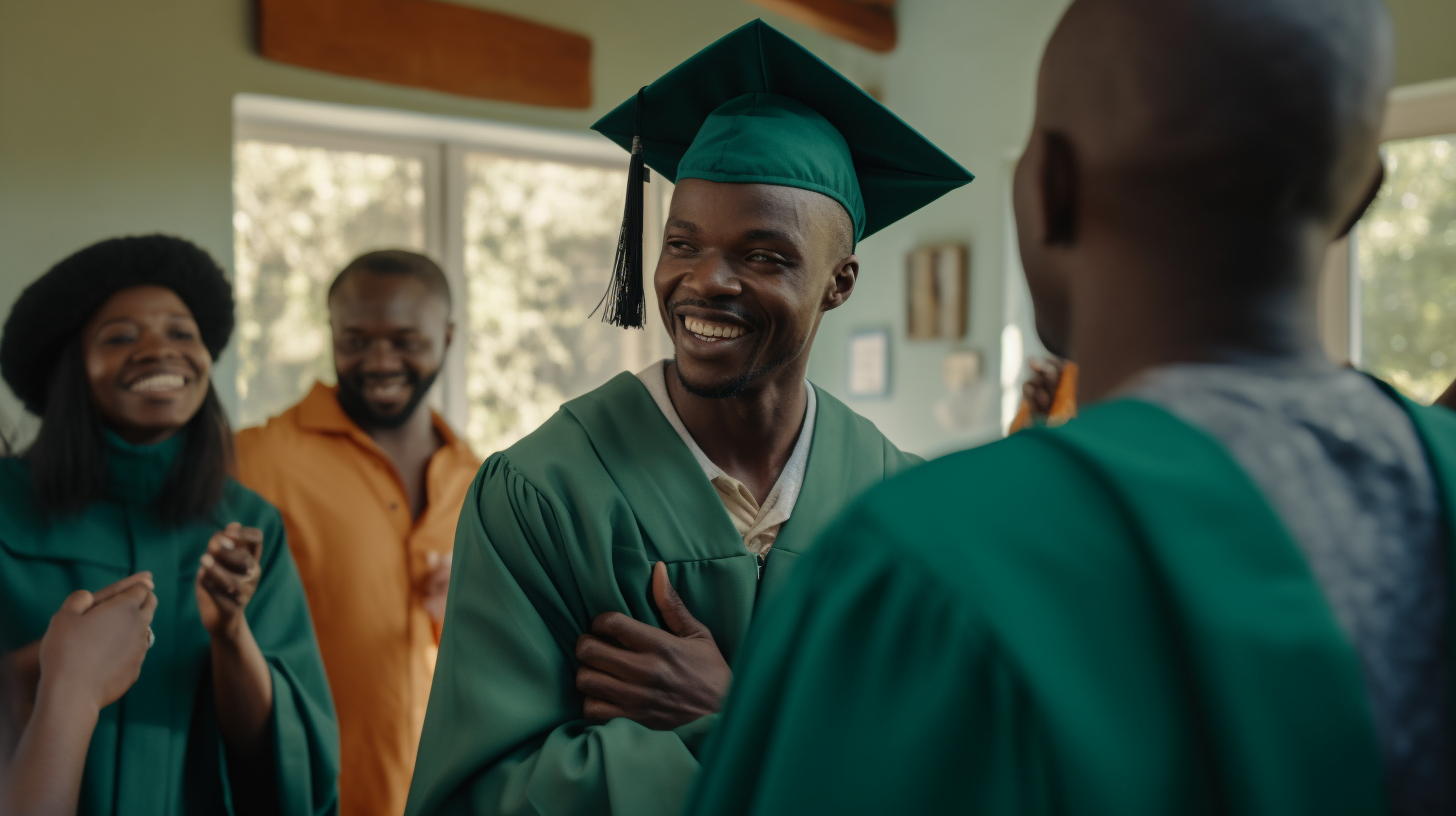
937	295
869	363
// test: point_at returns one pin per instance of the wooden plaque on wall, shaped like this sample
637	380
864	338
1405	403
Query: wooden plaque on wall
868	23
937	280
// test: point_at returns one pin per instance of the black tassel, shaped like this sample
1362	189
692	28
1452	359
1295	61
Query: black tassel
624	298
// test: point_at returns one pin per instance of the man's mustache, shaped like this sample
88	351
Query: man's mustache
362	380
722	306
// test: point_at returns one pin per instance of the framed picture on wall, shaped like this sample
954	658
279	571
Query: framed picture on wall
869	363
937	292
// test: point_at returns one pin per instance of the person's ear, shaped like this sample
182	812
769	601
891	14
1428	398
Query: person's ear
449	335
1057	185
1370	196
841	284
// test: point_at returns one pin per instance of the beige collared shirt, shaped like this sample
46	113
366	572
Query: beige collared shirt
758	524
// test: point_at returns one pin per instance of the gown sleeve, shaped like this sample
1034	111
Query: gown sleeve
504	732
866	688
305	730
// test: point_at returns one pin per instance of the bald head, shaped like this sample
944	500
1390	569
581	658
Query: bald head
1266	108
1190	163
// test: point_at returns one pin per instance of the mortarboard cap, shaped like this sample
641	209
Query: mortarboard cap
757	107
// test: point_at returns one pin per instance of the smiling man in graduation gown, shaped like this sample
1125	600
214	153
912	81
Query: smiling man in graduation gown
572	677
1240	603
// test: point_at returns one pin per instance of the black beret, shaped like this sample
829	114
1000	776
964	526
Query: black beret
53	309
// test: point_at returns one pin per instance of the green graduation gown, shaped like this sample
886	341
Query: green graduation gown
1107	619
157	750
561	527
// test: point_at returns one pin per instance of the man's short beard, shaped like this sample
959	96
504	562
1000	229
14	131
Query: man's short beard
734	387
351	399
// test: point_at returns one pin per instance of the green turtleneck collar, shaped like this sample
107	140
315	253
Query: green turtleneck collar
138	472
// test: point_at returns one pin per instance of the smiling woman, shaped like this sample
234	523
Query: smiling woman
127	487
86	349
139	369
149	396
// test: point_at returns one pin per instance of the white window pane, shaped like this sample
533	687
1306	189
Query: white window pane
1406	251
301	214
540	239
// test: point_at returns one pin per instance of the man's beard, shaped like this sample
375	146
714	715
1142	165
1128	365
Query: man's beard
351	399
732	388
735	386
727	390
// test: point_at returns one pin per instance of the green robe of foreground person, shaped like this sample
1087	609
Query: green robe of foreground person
1126	629
566	525
158	751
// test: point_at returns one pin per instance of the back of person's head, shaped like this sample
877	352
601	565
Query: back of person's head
1237	135
400	262
1242	110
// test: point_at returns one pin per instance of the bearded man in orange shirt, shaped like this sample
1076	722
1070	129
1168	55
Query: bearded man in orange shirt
370	483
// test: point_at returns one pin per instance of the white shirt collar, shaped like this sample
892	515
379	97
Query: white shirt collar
785	493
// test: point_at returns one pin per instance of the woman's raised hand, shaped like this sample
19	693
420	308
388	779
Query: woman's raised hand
227	577
93	649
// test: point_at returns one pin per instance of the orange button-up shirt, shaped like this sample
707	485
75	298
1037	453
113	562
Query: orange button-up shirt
362	558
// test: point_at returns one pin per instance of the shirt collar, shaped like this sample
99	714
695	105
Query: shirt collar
785	491
320	411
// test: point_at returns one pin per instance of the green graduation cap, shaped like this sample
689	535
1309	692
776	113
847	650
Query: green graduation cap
757	107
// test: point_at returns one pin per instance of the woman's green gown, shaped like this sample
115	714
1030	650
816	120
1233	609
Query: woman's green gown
157	750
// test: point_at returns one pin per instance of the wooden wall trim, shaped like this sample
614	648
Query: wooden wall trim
868	23
430	44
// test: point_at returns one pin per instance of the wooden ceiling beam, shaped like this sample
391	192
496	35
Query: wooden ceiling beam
868	23
430	44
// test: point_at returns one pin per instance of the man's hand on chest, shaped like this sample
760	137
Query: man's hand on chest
661	679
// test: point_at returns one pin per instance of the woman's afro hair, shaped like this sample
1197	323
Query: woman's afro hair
51	311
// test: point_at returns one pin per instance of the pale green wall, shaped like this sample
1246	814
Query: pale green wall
965	75
115	117
1425	33
967	84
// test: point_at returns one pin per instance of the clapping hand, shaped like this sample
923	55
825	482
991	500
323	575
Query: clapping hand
227	577
91	654
25	661
1040	390
93	649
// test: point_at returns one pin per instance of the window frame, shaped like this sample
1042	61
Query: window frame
1413	112
428	154
442	142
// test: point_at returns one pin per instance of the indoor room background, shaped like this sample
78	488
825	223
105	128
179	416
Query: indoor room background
162	116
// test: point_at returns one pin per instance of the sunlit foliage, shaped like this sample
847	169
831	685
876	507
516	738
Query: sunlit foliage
1406	252
300	214
540	238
